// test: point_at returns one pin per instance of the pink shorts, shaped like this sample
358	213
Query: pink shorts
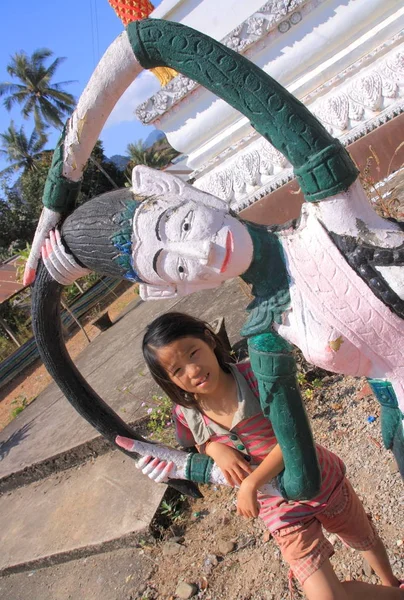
304	546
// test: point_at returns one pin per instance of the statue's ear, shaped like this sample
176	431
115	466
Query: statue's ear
150	182
156	292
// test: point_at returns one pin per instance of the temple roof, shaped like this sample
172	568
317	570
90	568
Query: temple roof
9	286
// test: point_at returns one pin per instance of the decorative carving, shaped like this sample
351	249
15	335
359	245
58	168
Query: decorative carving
269	18
354	68
371	91
334	111
367	90
262	166
250	168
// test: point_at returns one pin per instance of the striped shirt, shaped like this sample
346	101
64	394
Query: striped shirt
252	434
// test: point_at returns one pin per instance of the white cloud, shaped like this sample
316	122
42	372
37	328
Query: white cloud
140	90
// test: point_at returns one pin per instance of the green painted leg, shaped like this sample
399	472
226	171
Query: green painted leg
281	402
392	420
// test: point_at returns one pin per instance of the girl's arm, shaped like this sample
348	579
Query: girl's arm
271	466
230	461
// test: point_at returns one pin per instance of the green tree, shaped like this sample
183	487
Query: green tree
23	153
18	220
100	175
22	203
157	156
21	206
35	92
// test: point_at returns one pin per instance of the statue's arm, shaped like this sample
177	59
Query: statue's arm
275	369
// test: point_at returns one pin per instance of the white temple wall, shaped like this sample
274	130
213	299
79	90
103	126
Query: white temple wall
343	59
213	17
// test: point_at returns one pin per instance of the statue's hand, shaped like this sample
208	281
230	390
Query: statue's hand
47	221
60	264
155	468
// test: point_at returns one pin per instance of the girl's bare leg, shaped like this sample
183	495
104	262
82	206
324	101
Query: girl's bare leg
325	585
379	561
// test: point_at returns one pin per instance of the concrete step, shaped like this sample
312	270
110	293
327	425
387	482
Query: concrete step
102	505
115	575
49	435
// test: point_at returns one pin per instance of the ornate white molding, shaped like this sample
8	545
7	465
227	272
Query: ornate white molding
362	103
248	176
364	98
273	18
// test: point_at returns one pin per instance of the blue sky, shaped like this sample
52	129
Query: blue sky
79	30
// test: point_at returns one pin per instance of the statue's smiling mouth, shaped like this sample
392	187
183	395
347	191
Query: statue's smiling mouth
229	250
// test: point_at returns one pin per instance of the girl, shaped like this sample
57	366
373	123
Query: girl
217	409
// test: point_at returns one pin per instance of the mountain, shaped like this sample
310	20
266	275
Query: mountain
153	137
119	161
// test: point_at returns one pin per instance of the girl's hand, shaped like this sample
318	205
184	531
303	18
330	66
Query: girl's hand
230	461
247	503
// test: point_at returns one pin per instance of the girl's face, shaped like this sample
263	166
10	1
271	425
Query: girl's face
191	364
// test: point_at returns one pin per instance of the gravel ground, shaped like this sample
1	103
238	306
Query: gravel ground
227	557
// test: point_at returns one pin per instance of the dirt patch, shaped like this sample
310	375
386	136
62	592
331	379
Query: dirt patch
227	557
24	389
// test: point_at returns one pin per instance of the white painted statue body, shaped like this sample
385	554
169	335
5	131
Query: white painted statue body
334	318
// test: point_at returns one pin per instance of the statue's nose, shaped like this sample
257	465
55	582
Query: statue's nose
194	250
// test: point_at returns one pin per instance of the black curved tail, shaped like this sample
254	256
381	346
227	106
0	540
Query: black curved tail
46	323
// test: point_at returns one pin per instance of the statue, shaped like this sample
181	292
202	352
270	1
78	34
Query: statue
329	282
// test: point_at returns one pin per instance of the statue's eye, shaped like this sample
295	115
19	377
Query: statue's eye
186	224
182	272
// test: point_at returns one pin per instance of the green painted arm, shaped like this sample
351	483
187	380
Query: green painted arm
275	369
392	419
322	165
60	194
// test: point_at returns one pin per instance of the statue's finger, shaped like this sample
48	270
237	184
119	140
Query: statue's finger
143	461
57	259
47	221
125	442
57	276
165	473
149	468
63	261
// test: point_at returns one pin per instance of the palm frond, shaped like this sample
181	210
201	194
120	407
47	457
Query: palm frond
35	91
50	71
40	54
7	87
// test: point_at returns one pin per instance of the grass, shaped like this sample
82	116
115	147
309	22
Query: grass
22	402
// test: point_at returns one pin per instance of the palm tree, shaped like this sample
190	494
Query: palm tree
48	103
21	152
157	156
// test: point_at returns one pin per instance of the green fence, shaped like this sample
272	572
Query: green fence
15	364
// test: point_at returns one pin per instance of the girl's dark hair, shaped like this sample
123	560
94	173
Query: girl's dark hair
167	329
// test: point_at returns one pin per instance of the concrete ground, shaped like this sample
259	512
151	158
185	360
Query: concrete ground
56	504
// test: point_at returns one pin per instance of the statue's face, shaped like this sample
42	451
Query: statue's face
181	245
